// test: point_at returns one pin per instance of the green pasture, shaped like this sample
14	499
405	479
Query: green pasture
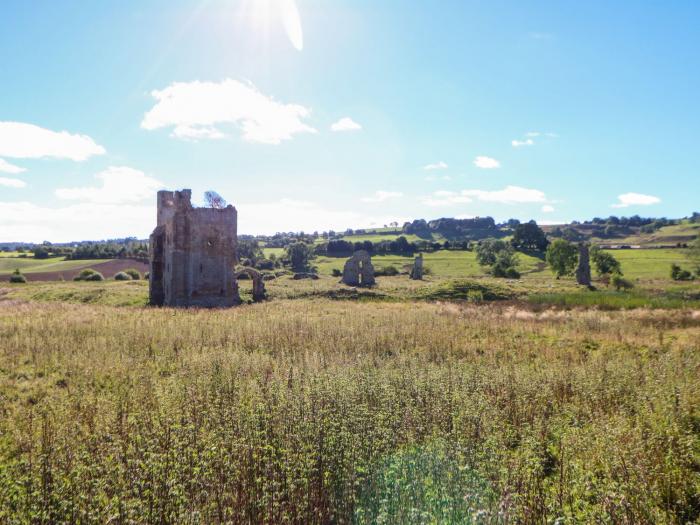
652	264
53	264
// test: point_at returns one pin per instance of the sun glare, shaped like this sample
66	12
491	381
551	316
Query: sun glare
265	15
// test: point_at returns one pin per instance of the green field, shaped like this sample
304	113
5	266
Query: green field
53	264
651	264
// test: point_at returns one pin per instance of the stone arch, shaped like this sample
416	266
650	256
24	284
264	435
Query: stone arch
358	270
258	283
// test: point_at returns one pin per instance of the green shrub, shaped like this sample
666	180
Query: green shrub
122	276
679	274
17	277
88	274
386	271
620	283
336	273
133	273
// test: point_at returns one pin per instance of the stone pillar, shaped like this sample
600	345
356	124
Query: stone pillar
351	272
367	272
417	270
583	271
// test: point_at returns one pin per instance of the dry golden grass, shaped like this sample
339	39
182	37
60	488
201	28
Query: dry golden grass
319	411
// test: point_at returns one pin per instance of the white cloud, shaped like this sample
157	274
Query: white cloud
194	134
27	141
547	208
195	109
635	199
521	143
24	221
446	198
119	185
6	167
381	196
441	165
345	124
508	195
12	183
486	163
540	134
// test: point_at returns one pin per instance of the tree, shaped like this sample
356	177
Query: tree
605	263
562	257
299	255
487	251
249	249
500	256
214	200
529	236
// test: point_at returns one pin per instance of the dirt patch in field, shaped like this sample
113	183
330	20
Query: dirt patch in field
107	268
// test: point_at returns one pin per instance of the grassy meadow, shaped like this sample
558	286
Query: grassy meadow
347	412
457	399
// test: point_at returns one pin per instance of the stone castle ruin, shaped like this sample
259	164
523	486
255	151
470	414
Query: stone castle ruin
193	252
358	270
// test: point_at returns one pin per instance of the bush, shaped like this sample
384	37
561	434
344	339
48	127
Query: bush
387	271
122	276
88	274
133	273
336	273
679	274
265	264
17	277
147	275
620	283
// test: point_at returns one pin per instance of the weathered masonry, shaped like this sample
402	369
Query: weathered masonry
193	252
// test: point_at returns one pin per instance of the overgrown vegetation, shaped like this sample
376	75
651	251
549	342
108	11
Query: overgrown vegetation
326	412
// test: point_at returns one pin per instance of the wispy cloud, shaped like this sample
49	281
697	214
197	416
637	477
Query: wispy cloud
118	185
441	165
197	109
345	124
547	208
520	143
445	198
635	199
508	195
431	178
6	167
26	141
381	196
12	183
486	163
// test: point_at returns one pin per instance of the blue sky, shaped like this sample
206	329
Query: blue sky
317	114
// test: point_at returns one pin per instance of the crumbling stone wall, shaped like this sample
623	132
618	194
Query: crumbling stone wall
358	270
192	253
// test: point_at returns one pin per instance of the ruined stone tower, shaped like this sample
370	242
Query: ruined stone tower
193	252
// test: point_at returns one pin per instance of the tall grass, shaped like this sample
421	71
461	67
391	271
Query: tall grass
337	412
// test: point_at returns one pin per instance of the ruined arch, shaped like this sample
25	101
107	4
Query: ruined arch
258	283
358	270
